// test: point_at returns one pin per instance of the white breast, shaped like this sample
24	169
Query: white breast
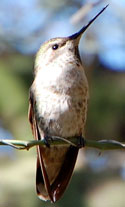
62	101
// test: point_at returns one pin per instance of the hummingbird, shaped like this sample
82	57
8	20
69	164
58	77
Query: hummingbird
58	107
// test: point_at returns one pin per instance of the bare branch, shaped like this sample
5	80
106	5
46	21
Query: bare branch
101	144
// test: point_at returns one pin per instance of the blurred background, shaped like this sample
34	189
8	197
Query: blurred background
99	177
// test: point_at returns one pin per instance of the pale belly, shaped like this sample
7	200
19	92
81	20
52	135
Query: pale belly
62	101
61	115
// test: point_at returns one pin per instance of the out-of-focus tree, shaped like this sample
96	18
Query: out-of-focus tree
24	26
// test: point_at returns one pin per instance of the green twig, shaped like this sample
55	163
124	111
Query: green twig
105	144
101	144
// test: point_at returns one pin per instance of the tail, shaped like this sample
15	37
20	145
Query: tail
52	176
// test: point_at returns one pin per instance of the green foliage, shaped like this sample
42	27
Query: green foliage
15	78
106	106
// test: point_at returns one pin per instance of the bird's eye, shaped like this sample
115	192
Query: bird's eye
55	47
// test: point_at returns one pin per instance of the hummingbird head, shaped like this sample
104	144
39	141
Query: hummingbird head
59	51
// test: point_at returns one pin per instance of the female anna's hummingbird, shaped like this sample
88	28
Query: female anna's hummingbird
58	107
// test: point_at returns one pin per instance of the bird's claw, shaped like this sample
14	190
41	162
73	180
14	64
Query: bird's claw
47	139
81	142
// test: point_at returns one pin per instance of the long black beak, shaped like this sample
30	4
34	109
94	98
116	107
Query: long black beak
84	28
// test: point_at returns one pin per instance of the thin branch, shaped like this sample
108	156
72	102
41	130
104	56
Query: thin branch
101	144
105	144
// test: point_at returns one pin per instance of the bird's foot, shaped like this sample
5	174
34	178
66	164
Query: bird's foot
81	142
47	139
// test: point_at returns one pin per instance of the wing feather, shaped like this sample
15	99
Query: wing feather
45	190
42	182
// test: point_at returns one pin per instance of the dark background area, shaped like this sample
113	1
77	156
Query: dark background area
99	177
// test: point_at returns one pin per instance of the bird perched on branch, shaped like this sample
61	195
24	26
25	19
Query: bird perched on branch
58	107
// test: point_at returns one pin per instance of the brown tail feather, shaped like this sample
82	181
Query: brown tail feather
40	186
61	182
54	191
